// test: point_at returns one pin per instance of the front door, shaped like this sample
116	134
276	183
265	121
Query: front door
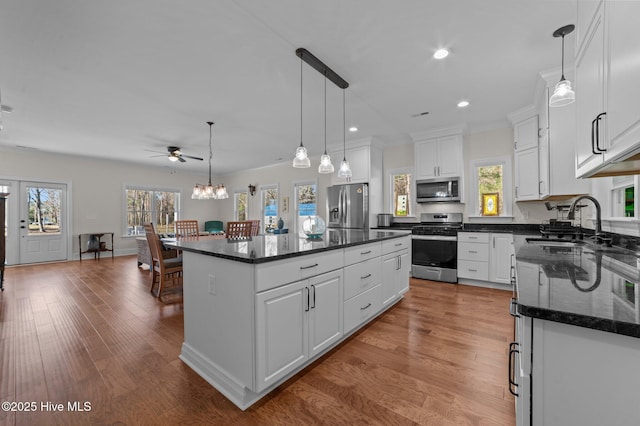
43	224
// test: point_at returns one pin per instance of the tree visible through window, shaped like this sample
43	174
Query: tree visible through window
306	203
401	194
490	182
159	207
240	211
270	207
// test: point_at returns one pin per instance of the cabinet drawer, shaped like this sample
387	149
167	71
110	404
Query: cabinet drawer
473	237
363	252
395	244
473	269
274	274
361	276
359	309
473	251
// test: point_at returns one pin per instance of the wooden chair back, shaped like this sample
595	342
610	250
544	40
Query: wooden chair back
187	229
240	229
255	227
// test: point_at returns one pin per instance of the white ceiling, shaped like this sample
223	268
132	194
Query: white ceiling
115	79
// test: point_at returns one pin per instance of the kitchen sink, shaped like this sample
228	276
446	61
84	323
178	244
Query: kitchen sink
547	242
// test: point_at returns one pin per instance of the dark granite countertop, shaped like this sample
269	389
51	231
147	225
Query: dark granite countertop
267	248
583	285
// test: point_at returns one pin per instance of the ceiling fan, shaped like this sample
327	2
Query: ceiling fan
175	154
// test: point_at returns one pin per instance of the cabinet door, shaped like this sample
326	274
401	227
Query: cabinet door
589	97
281	332
449	156
402	276
500	258
623	90
525	134
326	311
389	270
426	158
526	174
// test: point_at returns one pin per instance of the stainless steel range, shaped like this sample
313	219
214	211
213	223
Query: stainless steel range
434	247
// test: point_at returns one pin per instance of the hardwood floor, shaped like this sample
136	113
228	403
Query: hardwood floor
90	331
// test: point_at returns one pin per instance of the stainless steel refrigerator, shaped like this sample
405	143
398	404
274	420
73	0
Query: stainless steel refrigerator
348	206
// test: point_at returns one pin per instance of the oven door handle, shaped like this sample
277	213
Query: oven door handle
434	237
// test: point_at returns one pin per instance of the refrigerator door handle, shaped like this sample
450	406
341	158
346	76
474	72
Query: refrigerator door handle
345	209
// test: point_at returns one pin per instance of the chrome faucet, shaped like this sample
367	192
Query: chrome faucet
572	215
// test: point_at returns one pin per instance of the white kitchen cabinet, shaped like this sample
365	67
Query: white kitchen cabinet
396	264
485	256
527	182
525	134
607	93
439	157
295	322
500	258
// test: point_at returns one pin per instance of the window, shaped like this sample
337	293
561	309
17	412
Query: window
491	187
240	203
161	207
623	197
269	198
306	202
401	186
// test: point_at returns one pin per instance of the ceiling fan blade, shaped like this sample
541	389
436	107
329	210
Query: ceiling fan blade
157	152
192	157
182	160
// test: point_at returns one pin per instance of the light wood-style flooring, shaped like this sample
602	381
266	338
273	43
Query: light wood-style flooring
90	331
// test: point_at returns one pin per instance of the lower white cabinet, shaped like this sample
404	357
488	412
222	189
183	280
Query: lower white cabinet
395	275
485	256
295	322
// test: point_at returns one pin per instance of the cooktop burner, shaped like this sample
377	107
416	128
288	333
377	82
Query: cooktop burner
438	224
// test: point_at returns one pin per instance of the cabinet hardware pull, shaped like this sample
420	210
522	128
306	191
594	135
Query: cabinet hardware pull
472	270
307	308
365	277
512	308
516	192
473	251
473	238
309	267
397	244
314	296
539	187
515	145
435	173
369	304
512	382
598	132
365	252
593	138
494	242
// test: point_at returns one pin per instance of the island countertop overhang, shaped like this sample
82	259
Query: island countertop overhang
273	247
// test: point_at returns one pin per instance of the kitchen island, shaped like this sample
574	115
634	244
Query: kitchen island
577	314
257	311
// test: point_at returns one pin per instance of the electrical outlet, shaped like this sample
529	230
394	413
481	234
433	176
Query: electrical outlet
212	284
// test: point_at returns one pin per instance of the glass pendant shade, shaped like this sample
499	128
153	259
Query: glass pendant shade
345	170
221	192
563	94
301	160
325	164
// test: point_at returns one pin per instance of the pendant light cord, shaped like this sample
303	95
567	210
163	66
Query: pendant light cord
562	78
325	115
300	101
344	128
210	151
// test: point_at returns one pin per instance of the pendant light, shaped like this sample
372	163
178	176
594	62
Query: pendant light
563	94
301	160
209	191
345	170
325	161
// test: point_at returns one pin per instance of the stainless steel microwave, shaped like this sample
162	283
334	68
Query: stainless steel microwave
438	190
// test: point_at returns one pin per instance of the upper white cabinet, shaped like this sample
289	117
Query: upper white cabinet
525	134
607	93
525	144
438	157
438	153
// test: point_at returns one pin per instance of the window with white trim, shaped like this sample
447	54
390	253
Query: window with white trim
491	187
306	202
402	201
240	205
158	206
623	197
269	206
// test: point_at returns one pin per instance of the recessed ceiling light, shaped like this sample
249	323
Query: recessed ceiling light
441	54
353	129
463	104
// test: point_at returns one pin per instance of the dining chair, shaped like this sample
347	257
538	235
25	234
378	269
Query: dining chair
255	227
214	226
238	229
187	229
166	268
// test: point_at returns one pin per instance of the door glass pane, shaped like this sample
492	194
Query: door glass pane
306	203
44	206
270	207
241	206
165	211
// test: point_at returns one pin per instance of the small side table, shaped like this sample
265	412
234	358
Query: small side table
102	245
